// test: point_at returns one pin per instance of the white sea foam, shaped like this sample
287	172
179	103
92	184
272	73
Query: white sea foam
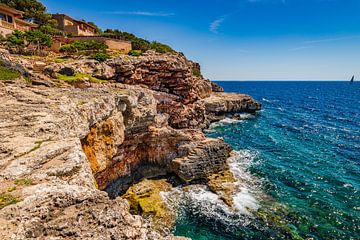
249	186
200	201
223	122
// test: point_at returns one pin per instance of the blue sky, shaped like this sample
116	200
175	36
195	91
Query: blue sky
241	39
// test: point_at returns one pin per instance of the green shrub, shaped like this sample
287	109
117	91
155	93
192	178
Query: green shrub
23	182
68	48
38	39
138	43
160	47
135	53
196	72
101	57
90	45
8	74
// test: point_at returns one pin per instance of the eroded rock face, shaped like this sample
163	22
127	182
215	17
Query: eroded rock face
219	104
70	212
167	73
102	143
207	157
72	143
41	130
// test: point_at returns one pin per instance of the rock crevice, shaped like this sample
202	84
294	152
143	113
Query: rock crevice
71	143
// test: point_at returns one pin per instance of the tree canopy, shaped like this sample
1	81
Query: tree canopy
139	43
33	10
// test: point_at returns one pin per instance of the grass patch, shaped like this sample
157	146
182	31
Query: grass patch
60	60
23	182
11	189
78	77
36	147
8	74
6	200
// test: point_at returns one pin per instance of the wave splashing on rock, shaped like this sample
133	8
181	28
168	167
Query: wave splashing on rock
198	202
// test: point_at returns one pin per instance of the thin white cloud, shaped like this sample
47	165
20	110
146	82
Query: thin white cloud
216	24
300	48
331	40
142	13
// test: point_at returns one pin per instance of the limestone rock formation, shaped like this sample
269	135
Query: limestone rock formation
146	200
205	158
223	183
219	104
62	146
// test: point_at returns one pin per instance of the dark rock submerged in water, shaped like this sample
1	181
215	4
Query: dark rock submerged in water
65	144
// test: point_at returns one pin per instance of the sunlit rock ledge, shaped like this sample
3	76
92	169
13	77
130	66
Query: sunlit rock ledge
70	148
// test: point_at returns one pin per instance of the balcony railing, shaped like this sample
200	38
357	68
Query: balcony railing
22	28
7	24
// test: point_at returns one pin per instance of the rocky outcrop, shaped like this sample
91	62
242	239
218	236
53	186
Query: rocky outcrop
205	158
146	199
223	184
71	143
219	105
177	83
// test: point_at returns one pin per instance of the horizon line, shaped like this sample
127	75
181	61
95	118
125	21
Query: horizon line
280	80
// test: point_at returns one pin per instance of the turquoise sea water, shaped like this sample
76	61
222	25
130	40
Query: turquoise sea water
299	164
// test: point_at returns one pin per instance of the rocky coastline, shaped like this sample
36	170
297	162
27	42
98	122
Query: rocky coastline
88	159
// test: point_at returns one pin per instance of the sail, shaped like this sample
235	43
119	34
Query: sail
352	79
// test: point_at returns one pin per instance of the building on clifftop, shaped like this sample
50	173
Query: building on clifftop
11	19
71	26
79	30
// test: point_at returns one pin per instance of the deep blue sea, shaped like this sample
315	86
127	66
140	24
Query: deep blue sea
298	164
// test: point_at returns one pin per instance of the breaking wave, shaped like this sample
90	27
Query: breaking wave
198	202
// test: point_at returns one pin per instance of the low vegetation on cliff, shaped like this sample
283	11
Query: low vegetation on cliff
139	44
8	74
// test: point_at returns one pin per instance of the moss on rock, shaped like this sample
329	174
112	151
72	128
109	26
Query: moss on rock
8	74
6	199
223	184
145	199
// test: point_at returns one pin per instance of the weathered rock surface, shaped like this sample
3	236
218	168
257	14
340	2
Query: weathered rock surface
223	184
219	104
71	143
180	91
145	199
41	130
205	158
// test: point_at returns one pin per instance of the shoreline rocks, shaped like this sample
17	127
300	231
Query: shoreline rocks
146	200
73	144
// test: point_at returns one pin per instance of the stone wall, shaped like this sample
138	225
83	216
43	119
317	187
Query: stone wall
113	44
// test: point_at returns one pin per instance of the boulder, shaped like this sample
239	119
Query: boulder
146	199
67	71
104	71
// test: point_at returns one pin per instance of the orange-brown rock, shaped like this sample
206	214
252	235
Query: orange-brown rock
102	142
75	142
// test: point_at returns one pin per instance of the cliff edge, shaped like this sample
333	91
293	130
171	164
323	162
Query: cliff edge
77	134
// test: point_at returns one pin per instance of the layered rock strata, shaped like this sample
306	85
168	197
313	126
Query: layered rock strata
67	144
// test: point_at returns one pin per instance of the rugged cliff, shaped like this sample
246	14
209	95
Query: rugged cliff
63	142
